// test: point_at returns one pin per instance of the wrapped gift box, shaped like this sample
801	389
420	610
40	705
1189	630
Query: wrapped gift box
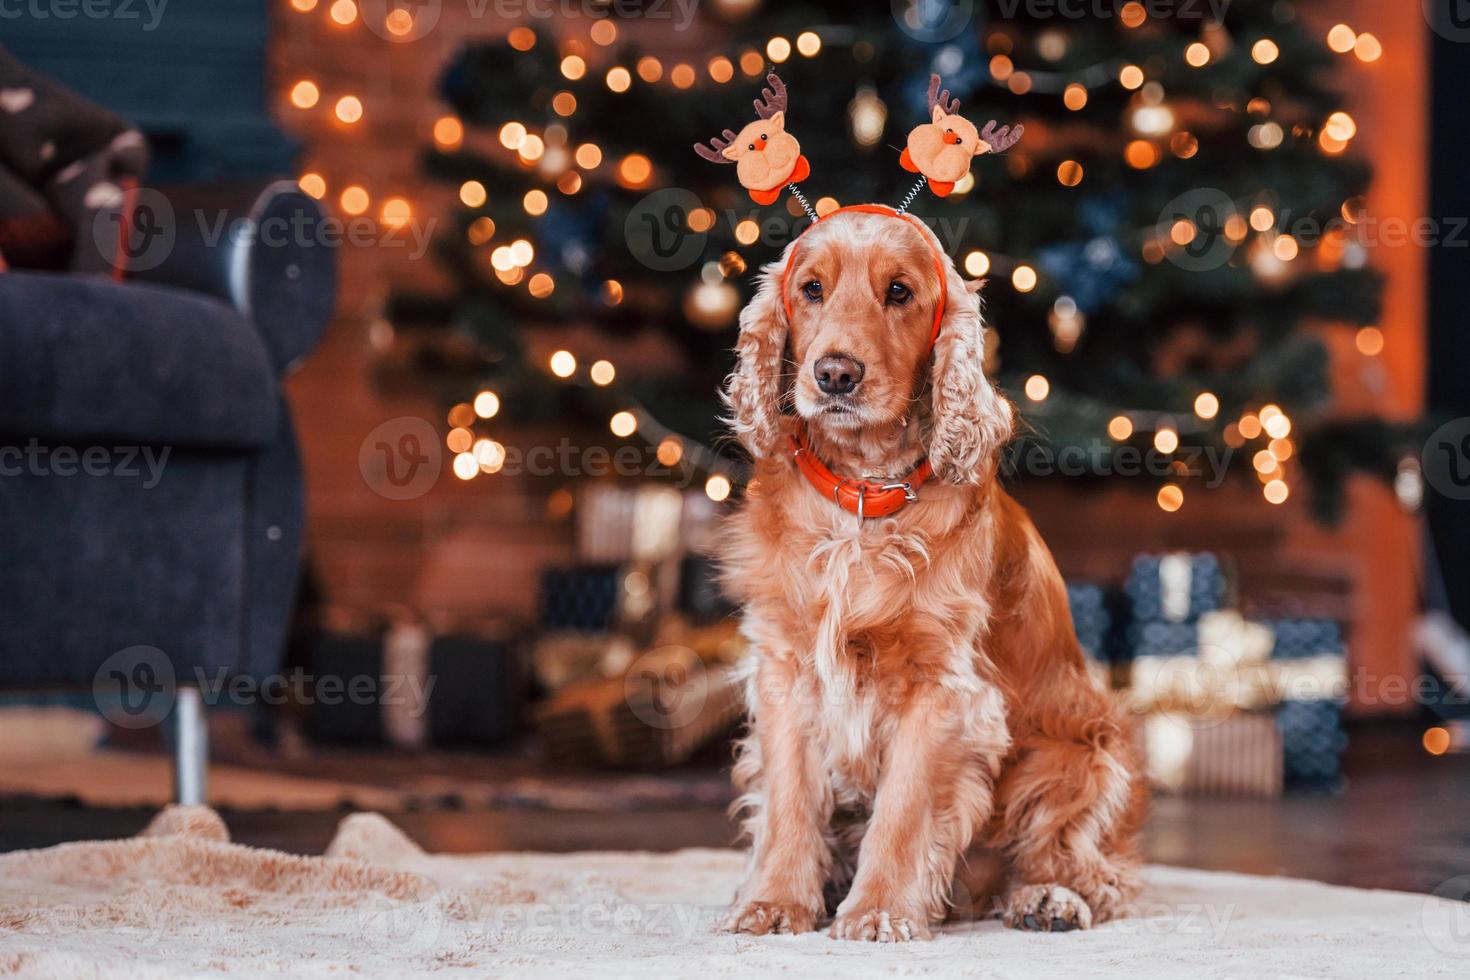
1206	711
1312	741
1176	588
462	687
1240	755
1297	639
480	690
657	715
583	598
1161	639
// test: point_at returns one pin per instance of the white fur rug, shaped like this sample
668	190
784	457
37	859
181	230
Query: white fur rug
180	900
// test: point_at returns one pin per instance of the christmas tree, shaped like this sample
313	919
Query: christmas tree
1161	246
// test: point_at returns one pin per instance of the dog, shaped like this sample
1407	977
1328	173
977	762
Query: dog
924	739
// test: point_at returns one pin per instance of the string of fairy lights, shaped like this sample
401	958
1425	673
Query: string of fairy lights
1154	131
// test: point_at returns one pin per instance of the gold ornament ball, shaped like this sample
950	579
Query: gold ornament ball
732	264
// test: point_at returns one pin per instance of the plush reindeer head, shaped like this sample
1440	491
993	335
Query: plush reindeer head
942	148
766	157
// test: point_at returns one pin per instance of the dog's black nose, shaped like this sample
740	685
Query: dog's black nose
838	374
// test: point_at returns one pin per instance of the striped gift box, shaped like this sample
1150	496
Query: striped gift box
1240	755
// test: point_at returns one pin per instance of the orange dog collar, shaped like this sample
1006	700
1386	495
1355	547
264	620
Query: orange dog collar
861	497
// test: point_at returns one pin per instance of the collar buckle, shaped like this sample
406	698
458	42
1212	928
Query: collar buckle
909	493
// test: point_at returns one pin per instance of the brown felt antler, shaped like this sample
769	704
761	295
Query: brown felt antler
1001	139
712	152
941	99
773	99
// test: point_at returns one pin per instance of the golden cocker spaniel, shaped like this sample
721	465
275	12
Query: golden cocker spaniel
924	739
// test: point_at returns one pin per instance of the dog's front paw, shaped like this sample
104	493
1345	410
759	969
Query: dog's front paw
760	918
879	926
1046	908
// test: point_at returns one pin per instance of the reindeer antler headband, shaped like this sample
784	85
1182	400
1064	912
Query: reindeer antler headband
940	150
767	157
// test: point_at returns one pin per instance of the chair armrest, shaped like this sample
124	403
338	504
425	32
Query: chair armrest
261	247
83	358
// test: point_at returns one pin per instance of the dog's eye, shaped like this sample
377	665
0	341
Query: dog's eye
813	291
898	293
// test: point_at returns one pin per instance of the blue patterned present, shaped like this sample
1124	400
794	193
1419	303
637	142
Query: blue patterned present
1297	639
1158	639
1176	588
1091	619
579	598
1312	741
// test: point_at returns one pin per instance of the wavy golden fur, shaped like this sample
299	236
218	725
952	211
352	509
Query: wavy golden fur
924	737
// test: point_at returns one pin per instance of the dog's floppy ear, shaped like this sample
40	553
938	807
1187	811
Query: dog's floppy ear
754	390
971	421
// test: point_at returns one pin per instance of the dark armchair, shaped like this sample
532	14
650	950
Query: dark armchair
150	488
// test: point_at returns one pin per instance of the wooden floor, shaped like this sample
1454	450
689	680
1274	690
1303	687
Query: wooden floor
1402	821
